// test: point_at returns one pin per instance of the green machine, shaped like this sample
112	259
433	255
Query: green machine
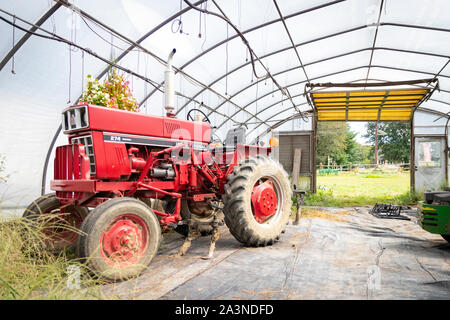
434	213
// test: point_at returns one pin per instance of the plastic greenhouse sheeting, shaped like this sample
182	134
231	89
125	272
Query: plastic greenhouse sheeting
305	41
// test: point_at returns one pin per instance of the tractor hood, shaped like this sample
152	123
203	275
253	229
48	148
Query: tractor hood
90	117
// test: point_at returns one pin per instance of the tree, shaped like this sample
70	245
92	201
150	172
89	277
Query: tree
331	142
352	148
395	145
366	153
335	140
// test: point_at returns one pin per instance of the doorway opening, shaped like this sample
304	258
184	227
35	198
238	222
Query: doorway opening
382	169
362	163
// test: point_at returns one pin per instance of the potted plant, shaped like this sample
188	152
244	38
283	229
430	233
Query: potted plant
114	93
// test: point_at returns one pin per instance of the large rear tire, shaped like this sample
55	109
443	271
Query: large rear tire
121	237
257	201
59	224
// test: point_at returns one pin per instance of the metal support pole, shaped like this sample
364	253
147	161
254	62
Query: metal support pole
376	144
412	164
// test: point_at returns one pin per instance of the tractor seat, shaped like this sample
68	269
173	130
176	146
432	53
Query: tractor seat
298	191
429	196
235	136
442	197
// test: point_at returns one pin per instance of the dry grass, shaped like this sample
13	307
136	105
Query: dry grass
321	214
29	270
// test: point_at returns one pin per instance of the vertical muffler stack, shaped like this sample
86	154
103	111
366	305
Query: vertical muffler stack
169	89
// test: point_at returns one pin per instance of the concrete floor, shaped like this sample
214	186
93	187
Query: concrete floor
344	254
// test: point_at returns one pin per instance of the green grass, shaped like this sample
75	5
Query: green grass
346	190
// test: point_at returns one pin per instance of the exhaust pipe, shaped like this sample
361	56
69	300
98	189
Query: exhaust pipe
169	89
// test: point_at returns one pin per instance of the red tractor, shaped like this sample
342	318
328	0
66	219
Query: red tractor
118	163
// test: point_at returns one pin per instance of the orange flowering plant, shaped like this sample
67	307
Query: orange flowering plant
114	93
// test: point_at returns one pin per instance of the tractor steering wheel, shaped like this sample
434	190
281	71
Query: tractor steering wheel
190	117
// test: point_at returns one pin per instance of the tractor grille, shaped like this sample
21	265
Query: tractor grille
86	141
171	127
71	163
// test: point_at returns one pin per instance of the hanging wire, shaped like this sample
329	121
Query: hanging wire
204	24
181	90
70	73
178	23
253	55
145	83
103	38
256	101
254	58
111	64
52	18
13	45
265	80
73	31
179	26
200	23
75	47
159	60
82	70
226	65
112	53
137	68
57	38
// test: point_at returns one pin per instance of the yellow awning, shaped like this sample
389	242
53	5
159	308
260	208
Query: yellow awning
367	105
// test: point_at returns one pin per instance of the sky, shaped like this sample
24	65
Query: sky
360	129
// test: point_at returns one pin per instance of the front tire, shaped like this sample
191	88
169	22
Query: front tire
121	237
59	224
257	201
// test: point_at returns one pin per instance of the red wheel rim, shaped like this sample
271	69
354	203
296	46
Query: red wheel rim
60	229
264	201
125	241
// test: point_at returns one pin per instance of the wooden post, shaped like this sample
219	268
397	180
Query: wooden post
296	167
295	177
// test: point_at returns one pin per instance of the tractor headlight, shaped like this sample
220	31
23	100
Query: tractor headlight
75	118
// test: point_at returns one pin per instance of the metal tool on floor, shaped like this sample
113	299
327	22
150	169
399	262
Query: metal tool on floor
300	200
389	211
194	233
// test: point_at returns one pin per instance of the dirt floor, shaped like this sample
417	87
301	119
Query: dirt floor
331	254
